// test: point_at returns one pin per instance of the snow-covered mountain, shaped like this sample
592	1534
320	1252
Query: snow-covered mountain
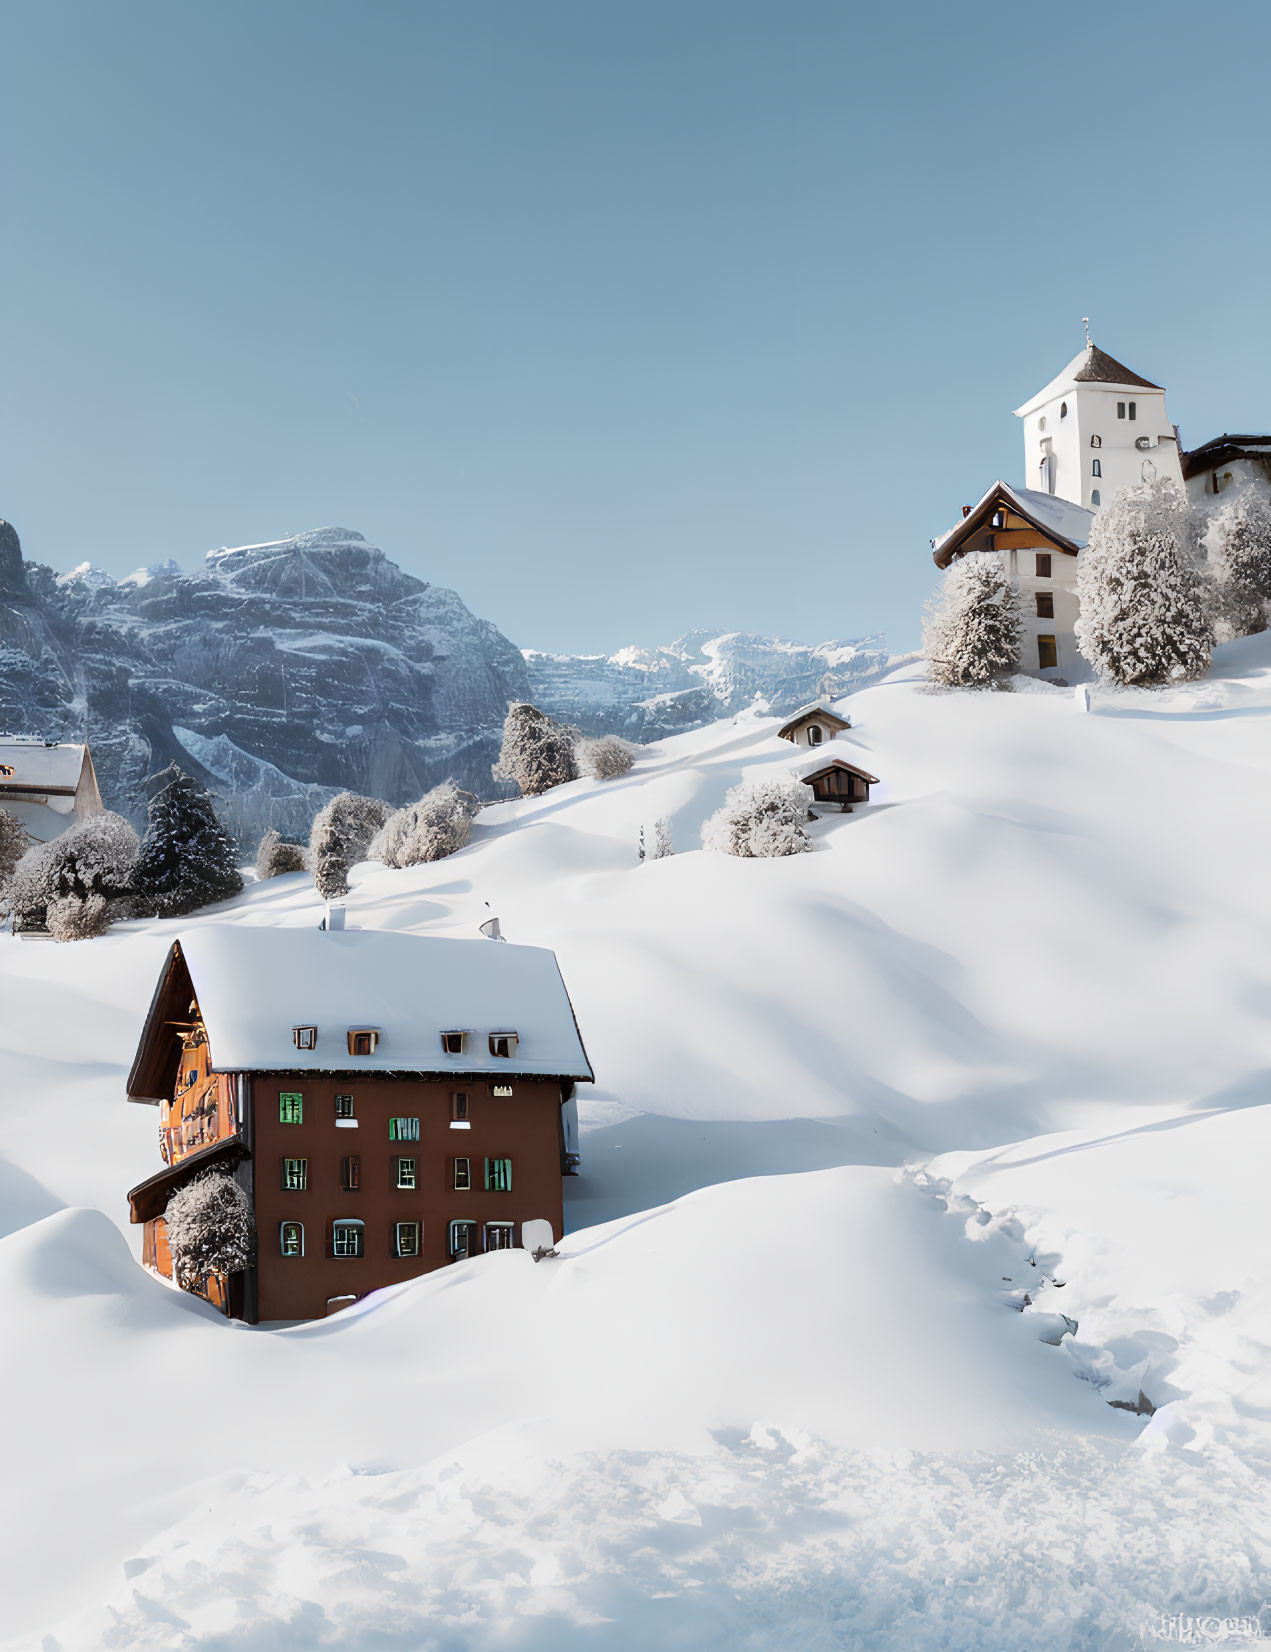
644	693
917	1287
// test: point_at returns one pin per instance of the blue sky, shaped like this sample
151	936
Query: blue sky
619	318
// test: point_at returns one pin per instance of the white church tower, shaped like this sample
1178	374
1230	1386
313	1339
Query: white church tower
1097	428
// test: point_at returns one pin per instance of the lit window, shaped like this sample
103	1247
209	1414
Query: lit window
1094	496
501	1090
1063	410
403	1129
406	1173
1133	411
362	1040
498	1175
453	1042
498	1235
463	1175
503	1043
1120	410
1096	469
291	1108
1047	653
1045	605
462	1237
295	1175
305	1038
406	1236
351	1173
344	1107
1043	564
291	1239
347	1238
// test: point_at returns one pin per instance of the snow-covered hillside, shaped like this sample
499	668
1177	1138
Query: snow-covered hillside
873	1127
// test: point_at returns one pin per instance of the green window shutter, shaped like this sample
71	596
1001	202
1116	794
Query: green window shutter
290	1108
488	1182
498	1175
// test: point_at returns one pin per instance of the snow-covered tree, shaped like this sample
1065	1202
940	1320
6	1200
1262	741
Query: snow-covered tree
75	878
341	836
187	857
537	752
971	628
760	818
431	829
1239	541
14	843
1144	608
659	844
210	1229
603	759
275	857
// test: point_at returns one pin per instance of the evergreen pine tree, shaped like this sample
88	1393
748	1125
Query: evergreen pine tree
971	629
1144	610
187	858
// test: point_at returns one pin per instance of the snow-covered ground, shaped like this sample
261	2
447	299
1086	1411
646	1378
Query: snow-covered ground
873	1128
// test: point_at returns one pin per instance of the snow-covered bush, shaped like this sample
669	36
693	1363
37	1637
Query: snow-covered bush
603	759
1239	540
187	857
275	857
971	628
210	1229
1144	610
658	845
14	843
760	818
537	753
431	829
340	837
91	866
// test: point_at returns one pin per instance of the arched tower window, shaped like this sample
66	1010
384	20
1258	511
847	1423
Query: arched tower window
1096	469
1063	410
1094	496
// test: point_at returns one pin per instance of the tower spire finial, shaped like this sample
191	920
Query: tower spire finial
1085	322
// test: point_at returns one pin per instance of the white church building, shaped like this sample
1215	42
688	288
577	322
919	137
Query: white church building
1096	428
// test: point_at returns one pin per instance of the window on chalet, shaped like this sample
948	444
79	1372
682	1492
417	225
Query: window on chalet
291	1108
459	1110
291	1239
305	1038
504	1090
499	1235
814	734
1096	469
348	1238
999	519
363	1040
462	1239
344	1107
503	1043
295	1175
1047	653
351	1173
7	771
1094	496
406	1238
498	1175
463	1175
453	1042
406	1173
1120	410
403	1129
1045	605
1043	564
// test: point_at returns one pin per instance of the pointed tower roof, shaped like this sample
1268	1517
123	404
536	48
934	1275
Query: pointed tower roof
1089	366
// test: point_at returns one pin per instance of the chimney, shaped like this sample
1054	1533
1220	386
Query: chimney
490	929
966	510
334	917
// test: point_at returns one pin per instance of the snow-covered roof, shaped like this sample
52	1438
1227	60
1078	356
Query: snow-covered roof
37	765
1089	366
820	762
1061	520
806	713
254	985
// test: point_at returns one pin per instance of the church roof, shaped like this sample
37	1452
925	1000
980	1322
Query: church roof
1089	366
1065	524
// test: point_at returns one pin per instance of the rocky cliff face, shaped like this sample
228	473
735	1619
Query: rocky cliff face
647	692
279	674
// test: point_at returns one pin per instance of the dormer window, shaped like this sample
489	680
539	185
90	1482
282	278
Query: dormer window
363	1040
815	734
503	1044
7	771
305	1038
453	1042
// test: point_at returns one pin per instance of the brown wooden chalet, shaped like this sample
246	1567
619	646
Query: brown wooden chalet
812	726
1014	519
837	781
389	1103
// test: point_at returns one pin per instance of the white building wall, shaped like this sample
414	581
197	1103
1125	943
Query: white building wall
1130	450
1020	567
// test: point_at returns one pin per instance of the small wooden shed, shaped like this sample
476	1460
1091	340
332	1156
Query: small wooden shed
839	782
812	726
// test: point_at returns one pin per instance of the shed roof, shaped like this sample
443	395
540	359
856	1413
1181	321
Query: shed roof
253	985
38	766
1066	525
806	714
1089	366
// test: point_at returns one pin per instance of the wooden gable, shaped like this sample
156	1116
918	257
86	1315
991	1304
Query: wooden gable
997	524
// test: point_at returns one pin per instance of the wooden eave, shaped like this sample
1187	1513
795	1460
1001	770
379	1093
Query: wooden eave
838	763
818	715
14	788
150	1198
979	520
155	1064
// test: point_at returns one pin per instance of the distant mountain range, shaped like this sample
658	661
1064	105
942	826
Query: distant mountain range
282	673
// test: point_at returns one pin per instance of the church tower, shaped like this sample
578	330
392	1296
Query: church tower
1095	429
